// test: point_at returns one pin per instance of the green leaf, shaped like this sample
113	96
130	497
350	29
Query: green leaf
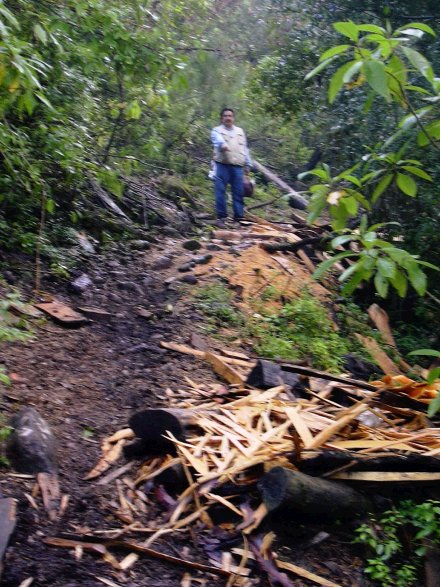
45	101
334	51
375	73
425	353
420	63
400	283
406	184
353	70
417	171
397	68
418	279
353	283
411	119
325	265
434	406
133	110
371	28
432	130
319	68
341	240
386	267
381	187
50	205
433	375
381	284
40	33
348	29
337	80
417	25
351	205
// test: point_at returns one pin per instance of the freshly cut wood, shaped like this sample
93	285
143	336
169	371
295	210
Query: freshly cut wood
108	202
306	260
50	491
224	370
291	492
187	350
235	235
294	246
296	199
388	476
343	421
8	507
379	356
382	323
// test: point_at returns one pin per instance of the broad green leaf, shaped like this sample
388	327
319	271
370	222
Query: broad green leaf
412	32
381	285
417	279
406	184
321	173
348	29
417	25
351	205
433	375
375	73
386	267
417	171
353	283
381	187
400	283
420	62
371	28
337	81
334	51
397	68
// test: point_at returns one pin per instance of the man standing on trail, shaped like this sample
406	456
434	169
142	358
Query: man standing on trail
232	158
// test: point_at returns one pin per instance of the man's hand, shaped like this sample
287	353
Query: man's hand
246	170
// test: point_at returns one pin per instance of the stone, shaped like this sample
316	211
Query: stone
170	231
81	284
84	242
189	278
202	259
213	247
164	262
130	286
10	277
31	447
112	297
186	267
192	245
147	282
140	245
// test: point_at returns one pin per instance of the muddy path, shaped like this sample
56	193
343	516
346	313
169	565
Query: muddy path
86	382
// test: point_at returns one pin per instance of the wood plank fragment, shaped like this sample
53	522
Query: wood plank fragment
62	314
378	355
223	370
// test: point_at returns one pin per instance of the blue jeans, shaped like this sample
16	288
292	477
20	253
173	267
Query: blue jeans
232	174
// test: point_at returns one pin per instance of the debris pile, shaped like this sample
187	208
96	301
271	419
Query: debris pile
237	457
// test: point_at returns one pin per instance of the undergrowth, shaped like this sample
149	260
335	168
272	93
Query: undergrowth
300	330
399	540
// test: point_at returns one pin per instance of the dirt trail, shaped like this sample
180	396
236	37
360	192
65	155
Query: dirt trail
86	383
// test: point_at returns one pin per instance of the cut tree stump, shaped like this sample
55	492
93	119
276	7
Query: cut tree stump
292	492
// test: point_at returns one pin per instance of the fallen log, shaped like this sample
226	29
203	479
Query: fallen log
286	491
301	370
295	199
293	247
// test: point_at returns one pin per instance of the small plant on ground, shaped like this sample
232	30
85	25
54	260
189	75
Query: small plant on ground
398	541
302	329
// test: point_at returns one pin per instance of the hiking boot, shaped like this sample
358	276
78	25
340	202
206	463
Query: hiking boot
220	223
